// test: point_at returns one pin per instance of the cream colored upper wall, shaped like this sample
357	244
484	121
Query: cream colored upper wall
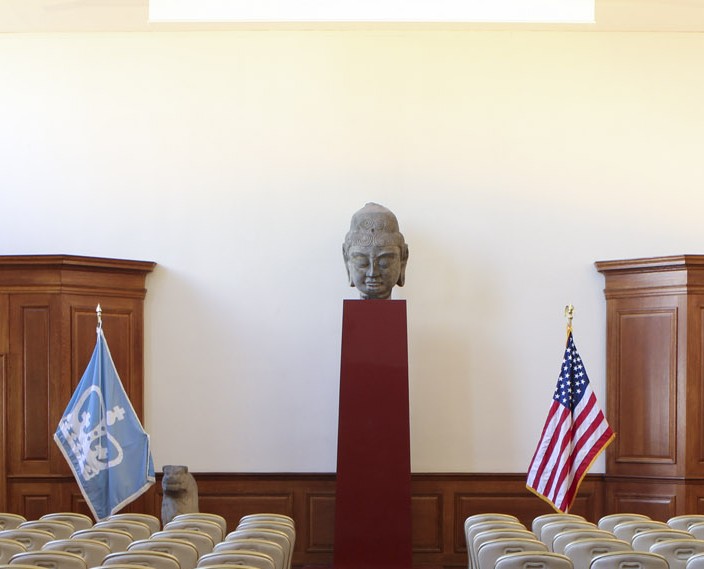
513	160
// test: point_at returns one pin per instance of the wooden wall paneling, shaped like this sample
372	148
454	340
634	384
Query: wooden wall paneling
659	499
320	523
3	430
32	383
642	389
694	393
34	498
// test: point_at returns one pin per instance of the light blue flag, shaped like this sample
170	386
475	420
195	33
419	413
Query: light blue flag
103	440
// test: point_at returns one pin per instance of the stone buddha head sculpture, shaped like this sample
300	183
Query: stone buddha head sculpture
375	252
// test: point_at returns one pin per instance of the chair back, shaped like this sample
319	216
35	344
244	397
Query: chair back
253	558
610	521
627	530
32	539
490	535
138	530
50	560
629	560
152	522
475	529
78	521
697	530
213	529
551	530
696	561
534	560
582	551
201	541
677	551
644	539
92	551
270	517
490	551
8	548
216	518
115	539
153	559
57	528
563	538
267	534
683	522
284	527
184	551
270	548
540	521
10	521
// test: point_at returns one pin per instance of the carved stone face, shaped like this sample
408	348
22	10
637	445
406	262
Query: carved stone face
375	252
374	270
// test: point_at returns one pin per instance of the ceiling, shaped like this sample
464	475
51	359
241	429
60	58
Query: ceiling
41	16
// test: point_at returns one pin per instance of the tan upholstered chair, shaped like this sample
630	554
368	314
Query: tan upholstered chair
490	551
677	551
534	560
696	561
540	521
213	529
627	530
138	530
152	522
78	521
475	529
59	529
115	539
153	559
216	518
684	522
268	534
610	521
644	539
32	539
553	529
50	560
489	535
270	548
582	551
563	538
8	548
10	521
92	551
283	518
184	551
202	541
252	558
629	560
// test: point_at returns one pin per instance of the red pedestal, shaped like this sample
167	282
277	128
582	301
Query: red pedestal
373	490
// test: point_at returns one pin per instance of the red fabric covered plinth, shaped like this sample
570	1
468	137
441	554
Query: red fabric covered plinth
373	491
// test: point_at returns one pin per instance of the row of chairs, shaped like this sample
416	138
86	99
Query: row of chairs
260	541
491	536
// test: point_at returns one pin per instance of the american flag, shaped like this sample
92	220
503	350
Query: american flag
574	434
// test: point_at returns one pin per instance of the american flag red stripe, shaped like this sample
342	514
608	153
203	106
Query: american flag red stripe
574	434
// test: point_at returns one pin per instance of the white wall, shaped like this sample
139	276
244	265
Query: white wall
513	161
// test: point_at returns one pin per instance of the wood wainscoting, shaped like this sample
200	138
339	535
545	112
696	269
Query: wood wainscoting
440	504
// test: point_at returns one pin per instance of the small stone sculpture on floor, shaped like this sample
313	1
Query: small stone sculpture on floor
180	493
375	252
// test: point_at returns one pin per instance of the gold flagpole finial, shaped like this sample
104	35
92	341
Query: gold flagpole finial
99	312
569	314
